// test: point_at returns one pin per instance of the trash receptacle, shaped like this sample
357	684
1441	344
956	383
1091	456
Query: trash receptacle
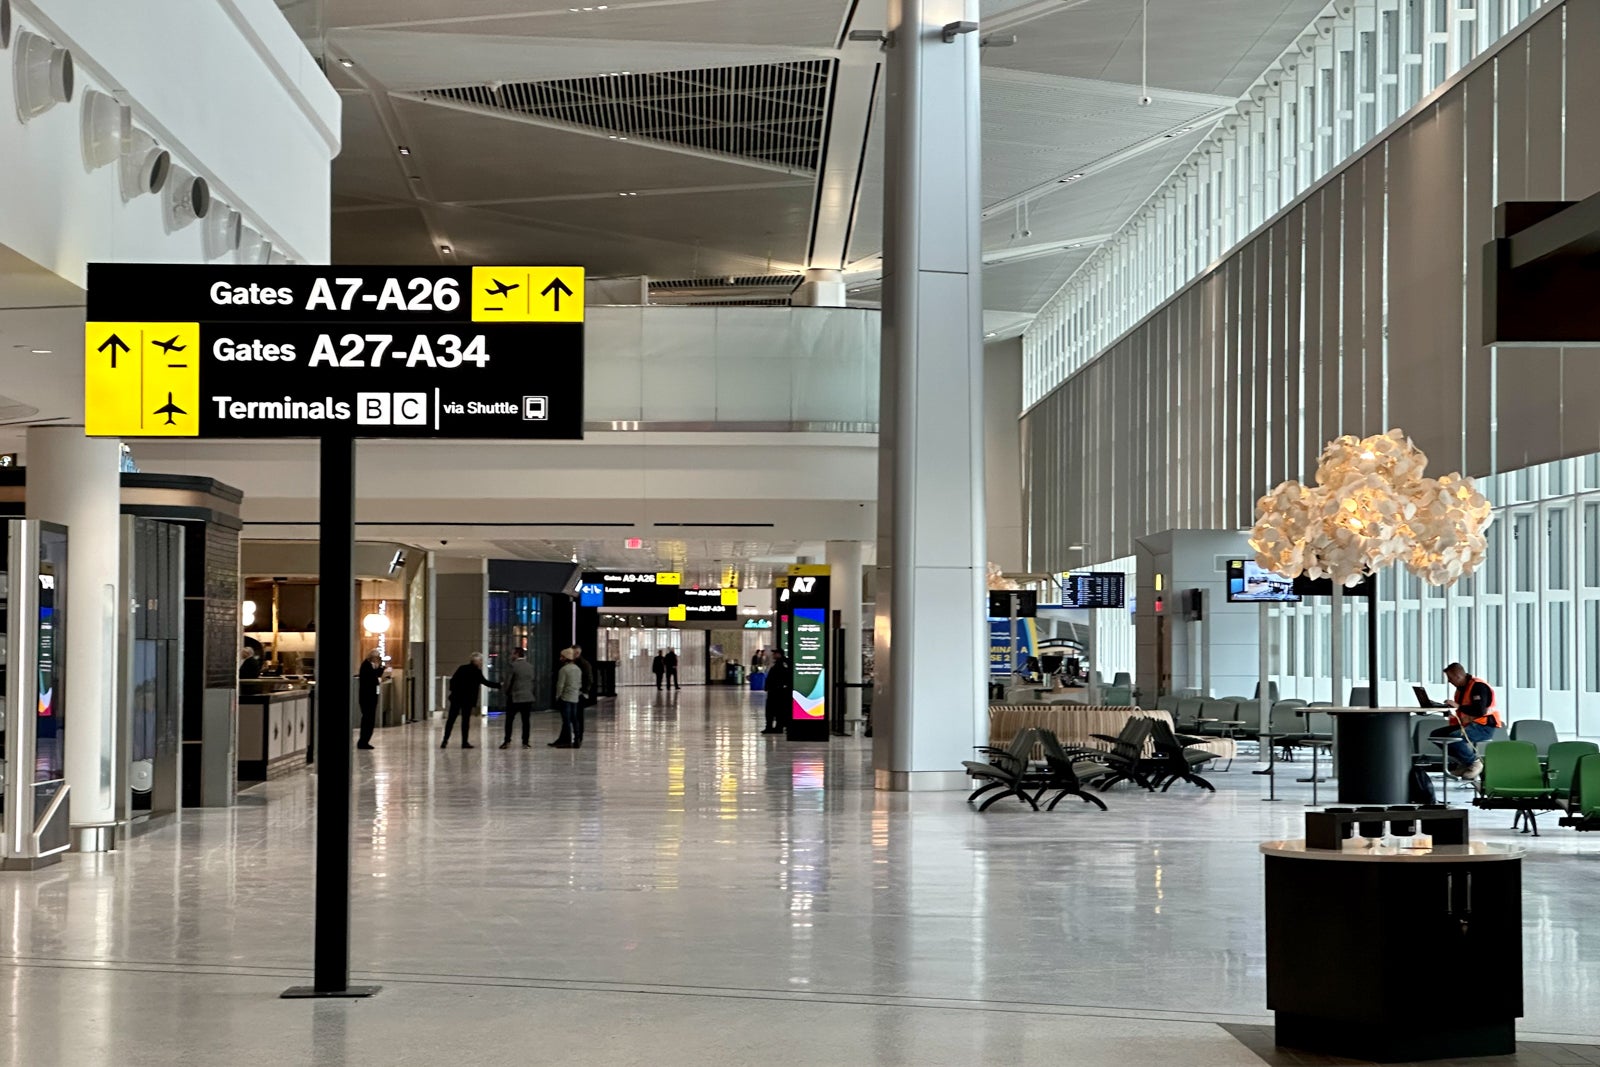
733	674
758	681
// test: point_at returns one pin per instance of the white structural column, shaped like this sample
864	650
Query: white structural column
929	708
844	565
76	481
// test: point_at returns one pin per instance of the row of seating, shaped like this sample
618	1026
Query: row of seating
1567	779
1147	752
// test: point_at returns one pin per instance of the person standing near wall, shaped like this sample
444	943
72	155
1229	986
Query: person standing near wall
672	669
658	667
520	695
780	682
465	684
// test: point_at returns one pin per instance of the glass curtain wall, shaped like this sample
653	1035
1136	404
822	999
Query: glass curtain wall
1348	78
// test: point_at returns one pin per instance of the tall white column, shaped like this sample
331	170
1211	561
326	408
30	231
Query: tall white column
931	652
844	561
76	481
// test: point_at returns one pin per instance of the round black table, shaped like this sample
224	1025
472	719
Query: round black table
1372	756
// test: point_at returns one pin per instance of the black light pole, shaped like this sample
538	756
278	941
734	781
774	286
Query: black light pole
1372	641
336	649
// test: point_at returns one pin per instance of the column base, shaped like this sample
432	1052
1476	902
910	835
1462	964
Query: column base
94	838
349	992
921	781
29	863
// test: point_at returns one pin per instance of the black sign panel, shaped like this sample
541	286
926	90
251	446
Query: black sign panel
1094	589
1000	603
186	350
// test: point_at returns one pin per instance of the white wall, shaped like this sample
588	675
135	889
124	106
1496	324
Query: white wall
1223	650
224	85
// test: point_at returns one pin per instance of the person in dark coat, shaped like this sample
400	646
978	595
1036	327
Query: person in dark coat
464	686
368	688
658	667
521	691
671	659
780	683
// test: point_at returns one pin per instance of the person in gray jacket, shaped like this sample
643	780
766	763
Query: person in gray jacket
520	695
569	698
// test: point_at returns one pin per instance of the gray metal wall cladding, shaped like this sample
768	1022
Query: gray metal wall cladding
1355	309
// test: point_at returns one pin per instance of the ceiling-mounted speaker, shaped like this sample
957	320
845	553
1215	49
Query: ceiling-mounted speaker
104	130
144	167
41	75
5	23
222	230
254	249
185	199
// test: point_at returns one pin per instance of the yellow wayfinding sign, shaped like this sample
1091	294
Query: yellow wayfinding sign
141	379
527	294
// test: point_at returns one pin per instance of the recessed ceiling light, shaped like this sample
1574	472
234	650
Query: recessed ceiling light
40	351
405	150
347	62
445	249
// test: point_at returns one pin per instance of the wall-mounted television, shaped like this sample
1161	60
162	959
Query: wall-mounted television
1250	584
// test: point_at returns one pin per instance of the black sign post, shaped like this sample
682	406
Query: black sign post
335	353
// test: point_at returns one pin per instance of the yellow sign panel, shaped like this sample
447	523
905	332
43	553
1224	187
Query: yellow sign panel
669	578
680	613
141	379
527	294
730	598
818	570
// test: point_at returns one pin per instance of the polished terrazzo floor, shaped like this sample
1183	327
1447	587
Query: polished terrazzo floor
684	890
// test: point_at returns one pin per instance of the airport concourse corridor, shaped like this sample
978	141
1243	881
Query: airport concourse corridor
682	890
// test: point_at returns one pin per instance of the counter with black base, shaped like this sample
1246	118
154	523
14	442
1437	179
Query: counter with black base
1372	754
1393	954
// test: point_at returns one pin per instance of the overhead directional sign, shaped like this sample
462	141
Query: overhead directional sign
194	351
144	375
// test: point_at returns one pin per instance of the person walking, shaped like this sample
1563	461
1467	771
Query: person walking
464	686
671	659
520	695
780	679
569	697
368	688
1472	722
658	667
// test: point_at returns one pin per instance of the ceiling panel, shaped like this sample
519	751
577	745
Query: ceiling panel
771	219
450	148
482	236
404	59
811	22
1025	286
1203	46
393	234
367	165
1037	128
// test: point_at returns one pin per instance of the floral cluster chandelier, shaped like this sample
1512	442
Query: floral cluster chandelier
1373	506
998	579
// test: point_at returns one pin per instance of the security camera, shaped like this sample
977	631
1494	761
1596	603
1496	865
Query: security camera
443	542
1145	101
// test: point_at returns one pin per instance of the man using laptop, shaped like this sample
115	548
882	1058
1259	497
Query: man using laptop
1475	716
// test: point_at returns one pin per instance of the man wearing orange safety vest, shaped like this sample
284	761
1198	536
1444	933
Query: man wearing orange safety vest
1475	715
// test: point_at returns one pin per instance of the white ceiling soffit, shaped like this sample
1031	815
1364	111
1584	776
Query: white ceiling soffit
405	60
1202	46
711	21
1039	129
772	114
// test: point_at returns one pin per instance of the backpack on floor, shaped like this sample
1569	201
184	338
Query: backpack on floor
1422	787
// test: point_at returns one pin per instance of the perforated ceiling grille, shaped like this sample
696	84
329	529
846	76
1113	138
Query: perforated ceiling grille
773	112
740	281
